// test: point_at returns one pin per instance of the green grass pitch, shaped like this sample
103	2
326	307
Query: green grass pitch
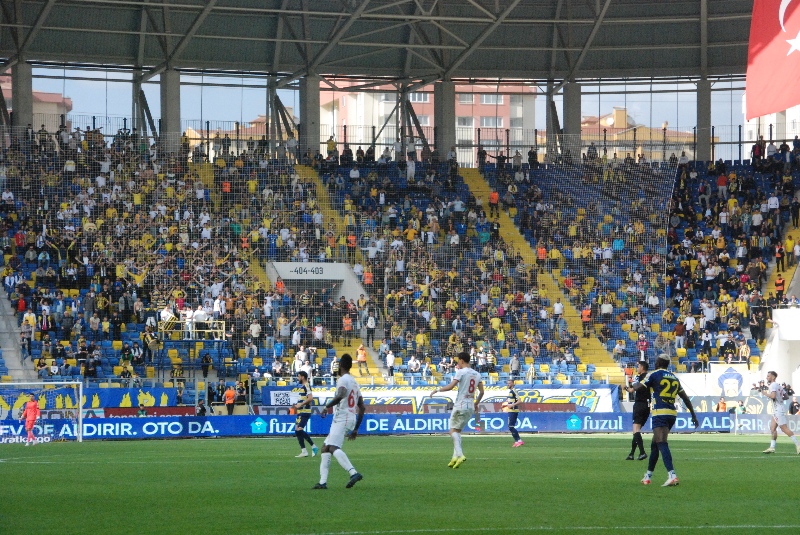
553	484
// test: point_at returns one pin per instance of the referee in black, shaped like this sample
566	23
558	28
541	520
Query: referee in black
641	411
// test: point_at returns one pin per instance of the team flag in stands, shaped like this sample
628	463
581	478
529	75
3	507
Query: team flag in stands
773	59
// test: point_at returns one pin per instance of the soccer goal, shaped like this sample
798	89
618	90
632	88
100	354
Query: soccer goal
57	400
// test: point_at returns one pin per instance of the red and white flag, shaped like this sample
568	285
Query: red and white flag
773	57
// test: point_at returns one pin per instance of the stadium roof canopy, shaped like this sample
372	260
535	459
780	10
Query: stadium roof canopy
415	40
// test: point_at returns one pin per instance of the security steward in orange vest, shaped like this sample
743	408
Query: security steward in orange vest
586	318
780	286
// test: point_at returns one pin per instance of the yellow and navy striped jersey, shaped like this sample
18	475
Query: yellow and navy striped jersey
665	388
305	390
512	398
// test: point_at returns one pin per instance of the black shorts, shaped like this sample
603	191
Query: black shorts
641	412
302	420
512	419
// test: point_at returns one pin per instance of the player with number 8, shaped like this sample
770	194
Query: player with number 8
466	405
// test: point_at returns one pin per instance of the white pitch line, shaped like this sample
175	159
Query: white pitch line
550	528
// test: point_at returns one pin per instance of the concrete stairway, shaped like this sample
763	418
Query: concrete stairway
329	212
593	352
9	343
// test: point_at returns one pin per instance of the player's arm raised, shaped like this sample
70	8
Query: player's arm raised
688	403
359	416
452	385
341	393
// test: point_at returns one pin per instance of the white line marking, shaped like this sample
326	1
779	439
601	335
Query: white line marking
550	528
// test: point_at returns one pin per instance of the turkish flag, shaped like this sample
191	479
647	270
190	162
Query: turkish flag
773	57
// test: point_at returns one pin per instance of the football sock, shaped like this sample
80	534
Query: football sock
772	444
663	447
639	441
651	464
344	461
794	439
514	433
30	436
457	445
303	435
323	468
634	443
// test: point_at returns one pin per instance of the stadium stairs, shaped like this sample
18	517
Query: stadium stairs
329	213
591	350
11	366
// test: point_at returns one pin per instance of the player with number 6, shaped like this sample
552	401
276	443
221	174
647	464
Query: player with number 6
466	405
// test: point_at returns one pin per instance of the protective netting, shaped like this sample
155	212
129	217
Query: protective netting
110	231
55	402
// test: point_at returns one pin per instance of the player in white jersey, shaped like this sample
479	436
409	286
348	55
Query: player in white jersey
347	416
777	394
466	405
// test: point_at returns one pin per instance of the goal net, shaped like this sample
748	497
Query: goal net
57	401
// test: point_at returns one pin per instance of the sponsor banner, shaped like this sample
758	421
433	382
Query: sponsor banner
598	398
724	380
130	412
753	404
378	424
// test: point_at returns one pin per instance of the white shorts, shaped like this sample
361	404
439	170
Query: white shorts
459	418
339	429
780	418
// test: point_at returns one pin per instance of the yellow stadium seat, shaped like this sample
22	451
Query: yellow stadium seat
546	382
151	372
242	353
632	335
681	351
64	343
117	370
198	346
168	385
6	379
115	385
544	368
201	386
626	327
103	385
529	360
172	353
582	368
681	368
258	361
584	381
117	344
505	353
655	327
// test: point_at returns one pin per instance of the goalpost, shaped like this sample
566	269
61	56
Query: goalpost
57	400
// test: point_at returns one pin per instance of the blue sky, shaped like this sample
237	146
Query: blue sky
246	100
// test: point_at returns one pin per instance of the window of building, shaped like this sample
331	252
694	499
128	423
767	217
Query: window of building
491	122
465	121
465	98
388	97
418	97
516	100
516	122
491	99
424	120
344	101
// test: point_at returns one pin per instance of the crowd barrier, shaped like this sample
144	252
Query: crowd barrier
374	424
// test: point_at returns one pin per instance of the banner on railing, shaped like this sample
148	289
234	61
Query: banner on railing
373	424
597	398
